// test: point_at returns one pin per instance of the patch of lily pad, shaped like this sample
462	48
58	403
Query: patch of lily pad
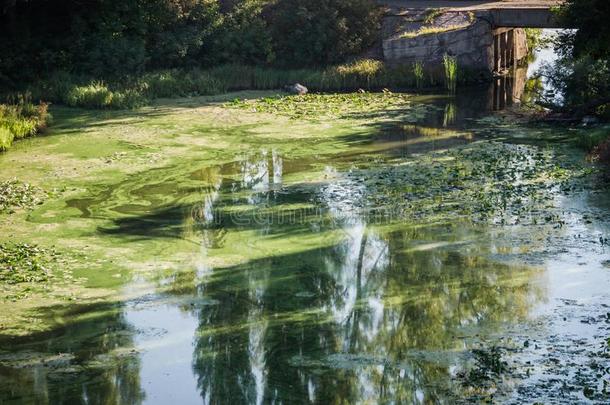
483	181
325	105
26	263
17	194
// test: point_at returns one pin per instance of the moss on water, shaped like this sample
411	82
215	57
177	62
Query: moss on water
134	190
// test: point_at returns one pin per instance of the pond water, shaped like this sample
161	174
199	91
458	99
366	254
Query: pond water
222	256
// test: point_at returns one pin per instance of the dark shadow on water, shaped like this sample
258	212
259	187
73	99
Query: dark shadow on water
386	311
82	362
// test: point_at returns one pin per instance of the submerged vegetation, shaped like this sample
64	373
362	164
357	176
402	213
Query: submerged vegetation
482	380
334	248
486	182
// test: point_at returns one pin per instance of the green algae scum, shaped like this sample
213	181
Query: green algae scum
328	249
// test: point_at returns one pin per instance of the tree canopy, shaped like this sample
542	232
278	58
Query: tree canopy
117	37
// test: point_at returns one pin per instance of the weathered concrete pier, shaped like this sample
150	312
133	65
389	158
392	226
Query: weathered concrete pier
482	35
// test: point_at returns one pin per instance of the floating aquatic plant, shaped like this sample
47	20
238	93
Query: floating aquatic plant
17	194
324	105
25	263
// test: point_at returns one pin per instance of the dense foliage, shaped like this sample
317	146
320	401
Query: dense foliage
322	31
582	74
590	18
114	38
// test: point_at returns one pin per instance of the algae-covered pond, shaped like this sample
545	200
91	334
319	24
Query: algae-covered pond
367	248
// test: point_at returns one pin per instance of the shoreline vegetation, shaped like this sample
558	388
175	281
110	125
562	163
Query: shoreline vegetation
20	117
135	91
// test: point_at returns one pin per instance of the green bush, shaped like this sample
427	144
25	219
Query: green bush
105	38
99	95
127	99
20	118
178	83
237	77
581	75
93	95
20	127
201	83
322	32
581	81
162	84
244	36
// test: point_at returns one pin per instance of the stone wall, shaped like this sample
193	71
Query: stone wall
472	45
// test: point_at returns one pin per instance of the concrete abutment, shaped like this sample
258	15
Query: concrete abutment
481	39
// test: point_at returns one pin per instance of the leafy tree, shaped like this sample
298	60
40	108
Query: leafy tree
319	32
590	18
115	38
244	36
582	73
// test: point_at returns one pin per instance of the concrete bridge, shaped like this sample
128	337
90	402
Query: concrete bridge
482	34
502	13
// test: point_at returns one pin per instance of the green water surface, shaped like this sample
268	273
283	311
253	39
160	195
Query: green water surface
222	256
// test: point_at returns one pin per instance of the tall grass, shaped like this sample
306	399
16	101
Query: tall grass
178	83
94	95
133	92
99	95
418	73
451	72
6	138
20	118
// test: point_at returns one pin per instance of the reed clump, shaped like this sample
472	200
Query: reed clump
451	72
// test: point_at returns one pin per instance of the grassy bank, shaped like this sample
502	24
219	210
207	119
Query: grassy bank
133	92
21	118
